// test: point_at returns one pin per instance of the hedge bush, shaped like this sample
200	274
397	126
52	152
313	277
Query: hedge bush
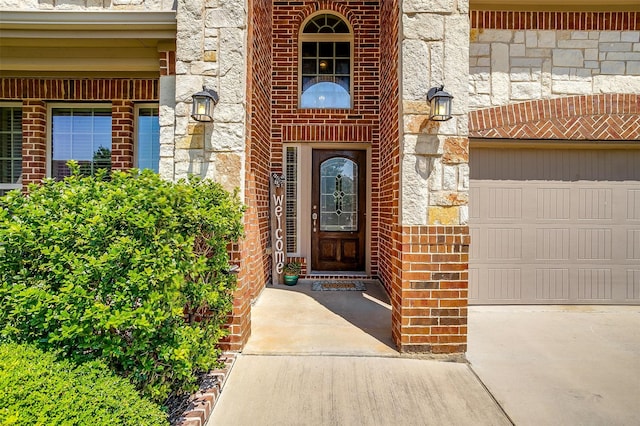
35	389
105	268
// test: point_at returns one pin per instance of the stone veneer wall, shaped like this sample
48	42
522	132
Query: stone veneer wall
522	56
434	180
211	51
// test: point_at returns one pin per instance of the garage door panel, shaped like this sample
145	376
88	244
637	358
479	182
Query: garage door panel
633	204
565	228
633	284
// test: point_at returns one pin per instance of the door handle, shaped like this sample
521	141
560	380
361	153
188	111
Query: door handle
314	216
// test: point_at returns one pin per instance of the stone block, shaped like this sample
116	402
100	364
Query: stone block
547	39
615	47
633	68
190	142
432	6
230	17
609	36
210	56
423	26
455	150
571	88
229	113
491	36
449	178
525	91
616	84
444	215
479	49
591	54
429	144
579	35
527	62
568	58
612	67
517	50
578	44
229	170
531	38
631	36
415	69
463	177
449	198
435	177
226	137
520	74
415	191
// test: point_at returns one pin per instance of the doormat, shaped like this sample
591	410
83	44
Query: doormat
338	286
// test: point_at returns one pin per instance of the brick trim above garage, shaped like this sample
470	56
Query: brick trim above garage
540	20
589	117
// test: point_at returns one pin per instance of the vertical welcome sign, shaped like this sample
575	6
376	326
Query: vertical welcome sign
278	233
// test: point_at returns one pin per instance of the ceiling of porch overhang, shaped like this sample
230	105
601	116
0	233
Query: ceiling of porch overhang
552	6
82	44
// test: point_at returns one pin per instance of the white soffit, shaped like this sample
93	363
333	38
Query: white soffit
106	24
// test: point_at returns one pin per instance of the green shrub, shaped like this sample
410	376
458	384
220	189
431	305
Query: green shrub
105	269
37	390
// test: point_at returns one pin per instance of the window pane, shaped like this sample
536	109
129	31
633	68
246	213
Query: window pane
81	134
343	50
325	66
326	50
10	147
148	139
342	66
309	50
309	66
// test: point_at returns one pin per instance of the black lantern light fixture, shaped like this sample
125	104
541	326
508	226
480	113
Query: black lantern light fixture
203	104
440	102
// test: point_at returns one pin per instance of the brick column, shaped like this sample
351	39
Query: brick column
434	290
239	321
122	117
34	141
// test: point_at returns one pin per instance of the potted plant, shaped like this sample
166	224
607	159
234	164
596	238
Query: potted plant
292	272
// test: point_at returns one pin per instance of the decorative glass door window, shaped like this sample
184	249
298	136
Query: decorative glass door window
339	195
83	135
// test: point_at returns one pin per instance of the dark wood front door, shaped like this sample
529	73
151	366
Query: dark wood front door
338	216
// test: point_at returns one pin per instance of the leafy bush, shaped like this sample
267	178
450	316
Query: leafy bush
106	269
37	390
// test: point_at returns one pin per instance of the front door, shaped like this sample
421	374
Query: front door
338	210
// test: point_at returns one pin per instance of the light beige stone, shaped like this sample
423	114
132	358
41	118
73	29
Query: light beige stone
228	170
190	142
415	69
210	55
449	198
444	215
423	26
456	150
430	6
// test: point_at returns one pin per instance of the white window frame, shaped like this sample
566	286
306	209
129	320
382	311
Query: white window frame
10	186
326	37
298	148
71	105
138	107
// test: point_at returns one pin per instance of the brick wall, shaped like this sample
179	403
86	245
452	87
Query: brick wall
387	155
603	117
35	93
251	254
360	124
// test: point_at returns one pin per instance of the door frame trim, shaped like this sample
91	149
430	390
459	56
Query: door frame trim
304	200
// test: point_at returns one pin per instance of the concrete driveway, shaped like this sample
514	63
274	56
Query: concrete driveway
559	365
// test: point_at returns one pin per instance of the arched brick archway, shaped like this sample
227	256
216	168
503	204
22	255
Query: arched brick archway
605	117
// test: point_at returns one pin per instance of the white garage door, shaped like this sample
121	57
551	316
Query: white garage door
554	226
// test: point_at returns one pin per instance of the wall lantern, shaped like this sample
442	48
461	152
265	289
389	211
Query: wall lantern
440	102
203	103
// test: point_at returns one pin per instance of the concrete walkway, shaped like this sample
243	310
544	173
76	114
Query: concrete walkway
326	358
559	365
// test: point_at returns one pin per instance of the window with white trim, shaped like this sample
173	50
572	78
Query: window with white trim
147	151
83	134
10	148
326	46
291	203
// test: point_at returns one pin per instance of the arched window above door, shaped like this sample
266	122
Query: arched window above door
326	64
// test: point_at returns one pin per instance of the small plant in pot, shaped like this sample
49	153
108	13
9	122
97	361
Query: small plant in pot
291	273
